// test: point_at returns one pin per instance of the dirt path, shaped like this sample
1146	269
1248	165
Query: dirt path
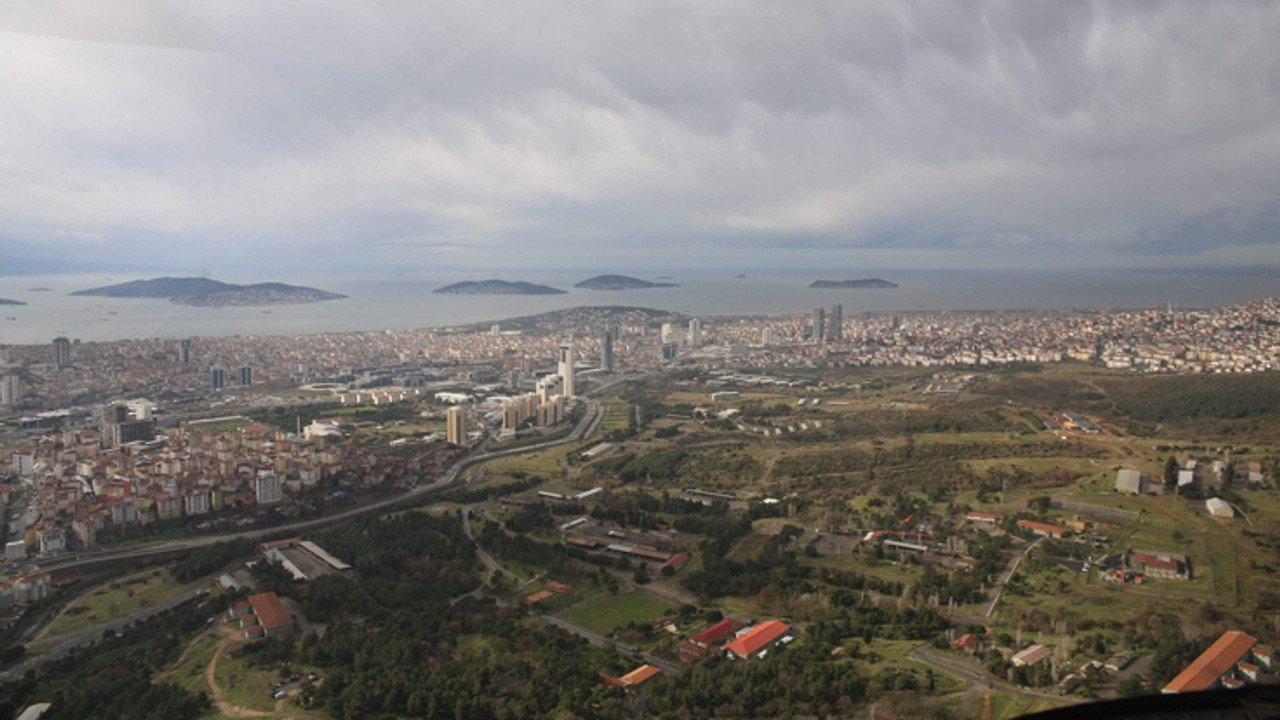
215	690
181	659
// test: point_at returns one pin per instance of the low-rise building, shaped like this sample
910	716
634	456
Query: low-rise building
1216	667
1030	656
757	639
1044	529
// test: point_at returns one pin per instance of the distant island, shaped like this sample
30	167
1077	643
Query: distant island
40	289
861	284
498	287
620	282
5	301
207	292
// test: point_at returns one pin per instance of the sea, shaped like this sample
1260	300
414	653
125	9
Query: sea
383	301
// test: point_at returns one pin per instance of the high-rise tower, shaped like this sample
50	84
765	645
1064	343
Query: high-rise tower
835	330
606	351
565	369
61	352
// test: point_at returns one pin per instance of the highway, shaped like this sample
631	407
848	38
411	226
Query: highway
588	424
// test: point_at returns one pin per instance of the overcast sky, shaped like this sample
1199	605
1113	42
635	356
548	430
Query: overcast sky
588	134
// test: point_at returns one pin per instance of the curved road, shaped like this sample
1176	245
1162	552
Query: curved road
586	426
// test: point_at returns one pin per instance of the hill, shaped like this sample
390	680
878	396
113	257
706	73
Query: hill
212	293
860	284
498	287
5	301
620	282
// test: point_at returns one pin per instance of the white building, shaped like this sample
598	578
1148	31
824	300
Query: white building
566	369
16	550
695	333
52	540
10	390
196	503
267	488
1219	508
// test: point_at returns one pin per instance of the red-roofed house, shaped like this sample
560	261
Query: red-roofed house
1044	529
266	617
1214	666
757	638
983	517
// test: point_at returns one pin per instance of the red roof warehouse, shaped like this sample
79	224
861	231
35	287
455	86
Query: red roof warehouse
757	638
716	633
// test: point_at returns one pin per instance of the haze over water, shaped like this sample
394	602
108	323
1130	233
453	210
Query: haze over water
387	301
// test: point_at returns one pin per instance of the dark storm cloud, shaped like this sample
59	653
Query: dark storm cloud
484	133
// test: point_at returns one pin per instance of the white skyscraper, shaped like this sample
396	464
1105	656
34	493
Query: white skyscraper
566	369
766	336
695	333
668	333
10	390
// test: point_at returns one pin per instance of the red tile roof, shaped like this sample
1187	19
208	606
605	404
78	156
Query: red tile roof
758	637
1204	671
641	674
537	597
716	633
1043	527
270	610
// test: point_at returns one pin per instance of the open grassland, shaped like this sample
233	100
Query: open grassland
890	656
617	414
114	600
610	615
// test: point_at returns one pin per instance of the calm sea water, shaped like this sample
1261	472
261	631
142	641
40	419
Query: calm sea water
379	302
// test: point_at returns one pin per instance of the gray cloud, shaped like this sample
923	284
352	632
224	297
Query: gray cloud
488	134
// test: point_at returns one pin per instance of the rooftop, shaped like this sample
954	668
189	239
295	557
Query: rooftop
270	610
757	637
1204	672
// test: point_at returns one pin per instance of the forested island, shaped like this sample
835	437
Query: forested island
620	282
498	287
6	301
859	284
208	292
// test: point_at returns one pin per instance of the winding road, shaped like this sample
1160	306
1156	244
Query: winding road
588	424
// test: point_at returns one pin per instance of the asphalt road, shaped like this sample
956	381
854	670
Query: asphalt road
597	639
64	644
970	671
587	424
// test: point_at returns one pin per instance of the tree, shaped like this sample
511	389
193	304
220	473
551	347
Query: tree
1171	468
1133	686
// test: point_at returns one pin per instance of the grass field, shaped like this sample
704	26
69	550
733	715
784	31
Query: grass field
114	600
892	654
610	615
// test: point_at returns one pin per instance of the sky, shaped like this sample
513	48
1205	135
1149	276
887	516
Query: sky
259	134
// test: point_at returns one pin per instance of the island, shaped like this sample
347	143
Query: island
498	287
40	289
860	284
6	301
207	292
620	282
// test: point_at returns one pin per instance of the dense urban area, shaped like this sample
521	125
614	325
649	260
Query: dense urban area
620	512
